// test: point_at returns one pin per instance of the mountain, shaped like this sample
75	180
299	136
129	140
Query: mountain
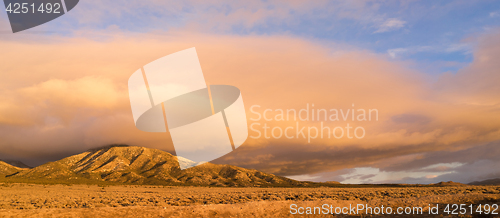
16	163
138	165
487	182
449	183
7	169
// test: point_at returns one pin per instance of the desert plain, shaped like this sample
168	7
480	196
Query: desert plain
79	200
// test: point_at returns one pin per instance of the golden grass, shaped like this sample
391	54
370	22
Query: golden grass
34	200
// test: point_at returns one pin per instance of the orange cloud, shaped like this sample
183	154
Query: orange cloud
70	94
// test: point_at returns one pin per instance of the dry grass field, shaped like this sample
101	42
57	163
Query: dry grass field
35	200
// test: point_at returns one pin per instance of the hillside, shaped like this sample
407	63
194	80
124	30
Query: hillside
16	163
487	182
449	183
138	165
7	169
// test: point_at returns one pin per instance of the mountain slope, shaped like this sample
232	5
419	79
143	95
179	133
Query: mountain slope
487	182
7	169
449	183
16	163
138	165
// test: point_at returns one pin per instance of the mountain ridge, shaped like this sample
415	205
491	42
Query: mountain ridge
132	165
138	165
495	181
7	169
16	163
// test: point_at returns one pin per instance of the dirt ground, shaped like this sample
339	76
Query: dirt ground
30	200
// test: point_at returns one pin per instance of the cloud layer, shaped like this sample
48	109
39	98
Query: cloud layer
64	95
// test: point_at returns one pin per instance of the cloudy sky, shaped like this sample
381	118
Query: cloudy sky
430	68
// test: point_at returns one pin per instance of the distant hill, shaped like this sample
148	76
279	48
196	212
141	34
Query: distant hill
487	182
138	165
7	169
449	183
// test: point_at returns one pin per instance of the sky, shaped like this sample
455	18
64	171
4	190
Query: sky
429	68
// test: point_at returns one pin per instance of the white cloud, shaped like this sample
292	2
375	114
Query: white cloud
362	175
390	25
394	52
303	177
467	48
461	47
495	14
